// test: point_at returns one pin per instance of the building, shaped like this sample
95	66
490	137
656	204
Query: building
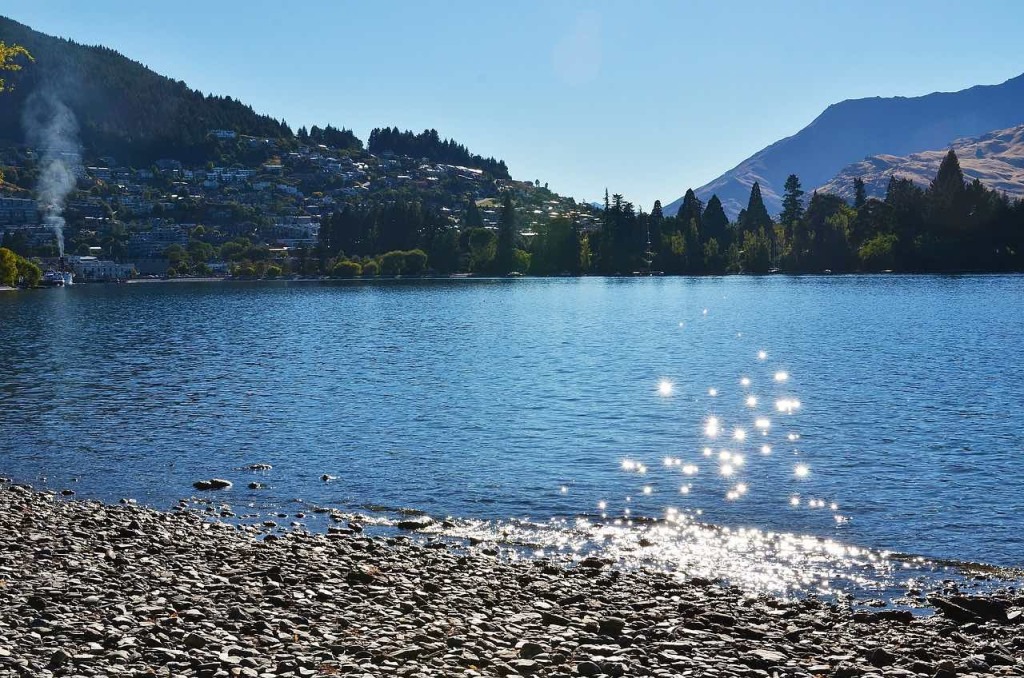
153	243
92	269
18	212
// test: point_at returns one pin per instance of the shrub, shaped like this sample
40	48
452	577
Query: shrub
371	267
392	263
346	269
415	262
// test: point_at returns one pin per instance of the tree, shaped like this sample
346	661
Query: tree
504	255
655	222
716	224
792	205
756	254
877	254
756	215
692	210
860	195
556	248
415	262
392	263
8	55
472	218
346	269
480	243
8	267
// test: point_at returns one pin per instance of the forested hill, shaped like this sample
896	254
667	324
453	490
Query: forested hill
428	144
123	108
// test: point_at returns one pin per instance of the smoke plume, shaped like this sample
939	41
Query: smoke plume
52	131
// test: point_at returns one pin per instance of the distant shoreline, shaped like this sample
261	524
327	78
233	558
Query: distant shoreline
471	277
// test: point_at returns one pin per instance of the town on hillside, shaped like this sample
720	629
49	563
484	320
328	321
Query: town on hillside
259	212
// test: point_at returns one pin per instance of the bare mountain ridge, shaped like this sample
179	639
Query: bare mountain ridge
996	159
855	129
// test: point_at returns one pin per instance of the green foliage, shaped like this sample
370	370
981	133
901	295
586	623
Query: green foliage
504	255
8	56
482	244
331	136
274	271
878	254
8	267
428	144
346	269
392	263
586	259
716	224
472	218
756	215
756	253
370	268
415	262
444	252
556	249
521	261
619	246
714	259
792	205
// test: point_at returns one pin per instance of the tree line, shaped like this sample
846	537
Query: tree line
952	225
428	144
17	270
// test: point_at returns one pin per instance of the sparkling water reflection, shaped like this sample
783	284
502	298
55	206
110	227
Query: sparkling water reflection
880	412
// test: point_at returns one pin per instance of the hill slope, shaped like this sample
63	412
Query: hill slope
122	107
855	129
997	159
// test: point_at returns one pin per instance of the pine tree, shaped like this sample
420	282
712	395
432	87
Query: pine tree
716	224
756	215
860	196
949	181
654	224
692	210
792	203
504	257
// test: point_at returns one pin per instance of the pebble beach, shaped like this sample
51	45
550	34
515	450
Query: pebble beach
90	589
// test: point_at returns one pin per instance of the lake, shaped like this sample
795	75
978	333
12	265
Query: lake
875	413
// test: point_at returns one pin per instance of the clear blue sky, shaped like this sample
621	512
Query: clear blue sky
645	98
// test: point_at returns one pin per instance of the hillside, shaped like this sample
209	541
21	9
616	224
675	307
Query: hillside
852	130
996	159
122	108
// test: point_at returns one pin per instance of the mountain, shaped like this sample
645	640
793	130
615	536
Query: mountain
855	129
996	159
122	108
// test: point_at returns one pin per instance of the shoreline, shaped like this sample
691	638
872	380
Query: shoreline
493	278
119	590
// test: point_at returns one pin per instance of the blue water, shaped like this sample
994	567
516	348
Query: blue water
523	398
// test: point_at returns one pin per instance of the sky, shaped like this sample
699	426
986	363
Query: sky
645	99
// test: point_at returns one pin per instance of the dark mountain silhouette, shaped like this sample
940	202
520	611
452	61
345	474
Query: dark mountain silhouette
852	130
122	107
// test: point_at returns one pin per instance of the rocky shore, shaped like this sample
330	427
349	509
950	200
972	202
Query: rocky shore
88	589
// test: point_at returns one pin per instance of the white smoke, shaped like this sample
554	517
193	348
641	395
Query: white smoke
52	131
